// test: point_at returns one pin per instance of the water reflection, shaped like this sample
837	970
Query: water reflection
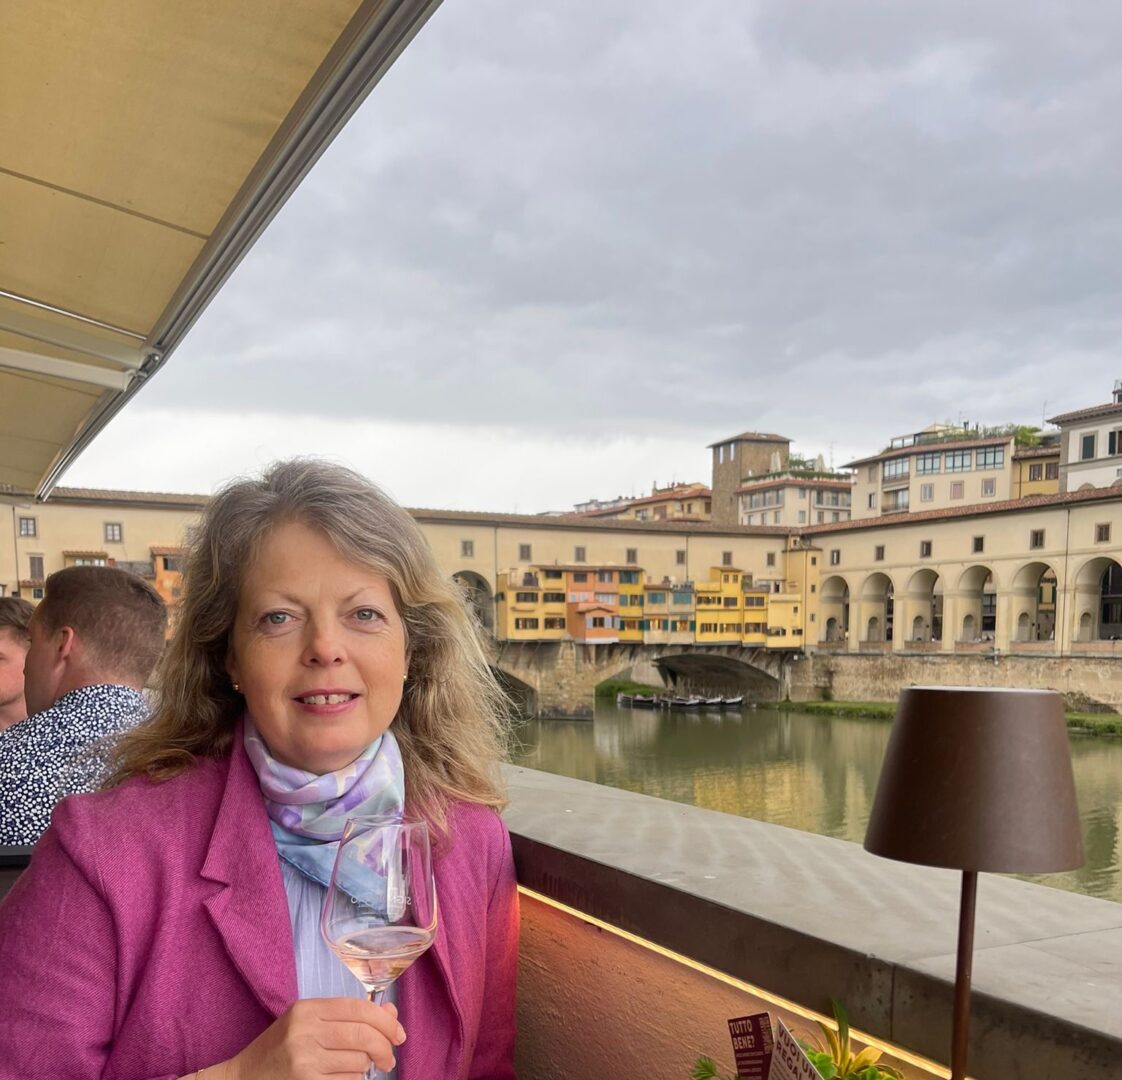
813	773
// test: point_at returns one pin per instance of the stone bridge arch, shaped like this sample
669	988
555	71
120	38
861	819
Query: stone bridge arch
562	676
521	694
755	673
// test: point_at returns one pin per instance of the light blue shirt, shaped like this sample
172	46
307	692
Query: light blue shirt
319	972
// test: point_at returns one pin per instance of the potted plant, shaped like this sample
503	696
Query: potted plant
833	1057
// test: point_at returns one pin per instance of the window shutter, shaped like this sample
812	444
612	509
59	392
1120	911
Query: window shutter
1112	439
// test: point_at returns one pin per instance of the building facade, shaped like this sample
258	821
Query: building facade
1091	445
140	531
1034	575
931	471
738	459
795	500
677	502
1036	470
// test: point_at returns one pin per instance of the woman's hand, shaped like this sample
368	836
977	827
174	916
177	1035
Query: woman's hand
319	1037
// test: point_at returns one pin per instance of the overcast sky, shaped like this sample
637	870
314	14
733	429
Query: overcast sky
562	247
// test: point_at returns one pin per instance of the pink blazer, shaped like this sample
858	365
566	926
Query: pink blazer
150	937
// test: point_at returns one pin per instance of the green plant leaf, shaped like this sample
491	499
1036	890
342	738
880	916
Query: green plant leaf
846	1053
705	1069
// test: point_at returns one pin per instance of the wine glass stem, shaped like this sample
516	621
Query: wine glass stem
378	996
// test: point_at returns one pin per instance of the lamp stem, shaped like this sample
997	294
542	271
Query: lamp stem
961	1020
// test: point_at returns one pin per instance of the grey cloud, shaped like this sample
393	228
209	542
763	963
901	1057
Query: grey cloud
698	218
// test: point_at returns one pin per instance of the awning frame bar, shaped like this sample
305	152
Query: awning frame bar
71	370
74	337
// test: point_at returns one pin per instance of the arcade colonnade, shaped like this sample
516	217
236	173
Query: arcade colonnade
1053	607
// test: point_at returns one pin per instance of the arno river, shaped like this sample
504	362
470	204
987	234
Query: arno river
813	773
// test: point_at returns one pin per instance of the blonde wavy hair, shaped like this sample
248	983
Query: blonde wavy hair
451	725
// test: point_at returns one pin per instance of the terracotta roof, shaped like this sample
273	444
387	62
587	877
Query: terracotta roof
136	498
750	436
928	447
85	554
580	523
613	514
1036	452
768	485
683	491
1009	506
581	568
1087	414
167	550
31	583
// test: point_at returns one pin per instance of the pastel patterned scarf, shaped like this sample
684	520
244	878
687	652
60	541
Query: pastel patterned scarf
307	812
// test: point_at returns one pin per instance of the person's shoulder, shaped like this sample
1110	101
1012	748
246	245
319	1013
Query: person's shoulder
140	803
476	828
112	705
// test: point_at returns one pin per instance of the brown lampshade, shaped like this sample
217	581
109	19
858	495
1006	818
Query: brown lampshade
978	779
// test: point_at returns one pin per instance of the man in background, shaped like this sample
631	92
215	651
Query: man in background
15	617
95	639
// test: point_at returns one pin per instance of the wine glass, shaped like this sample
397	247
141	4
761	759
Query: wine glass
379	914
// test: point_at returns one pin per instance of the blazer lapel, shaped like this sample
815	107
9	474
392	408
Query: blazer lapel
428	1003
250	911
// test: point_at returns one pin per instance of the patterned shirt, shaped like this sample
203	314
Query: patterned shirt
60	751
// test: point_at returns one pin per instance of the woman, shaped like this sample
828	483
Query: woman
167	927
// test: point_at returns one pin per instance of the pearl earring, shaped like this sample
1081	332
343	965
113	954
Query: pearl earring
237	688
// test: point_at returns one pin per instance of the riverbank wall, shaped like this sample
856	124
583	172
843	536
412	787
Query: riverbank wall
1087	683
662	921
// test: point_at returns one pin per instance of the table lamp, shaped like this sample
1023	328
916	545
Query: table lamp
976	779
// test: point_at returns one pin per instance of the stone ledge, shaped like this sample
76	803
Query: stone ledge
809	917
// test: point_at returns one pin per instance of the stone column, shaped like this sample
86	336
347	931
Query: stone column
1085	597
951	620
1023	598
856	624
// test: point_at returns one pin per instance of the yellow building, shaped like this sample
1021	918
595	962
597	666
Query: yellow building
1036	471
756	614
793	608
720	607
632	597
80	525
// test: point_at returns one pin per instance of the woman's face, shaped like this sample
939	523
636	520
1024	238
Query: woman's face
318	649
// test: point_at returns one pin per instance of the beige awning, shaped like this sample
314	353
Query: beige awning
143	148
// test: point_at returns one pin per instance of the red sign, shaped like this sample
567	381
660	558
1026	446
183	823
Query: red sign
751	1045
